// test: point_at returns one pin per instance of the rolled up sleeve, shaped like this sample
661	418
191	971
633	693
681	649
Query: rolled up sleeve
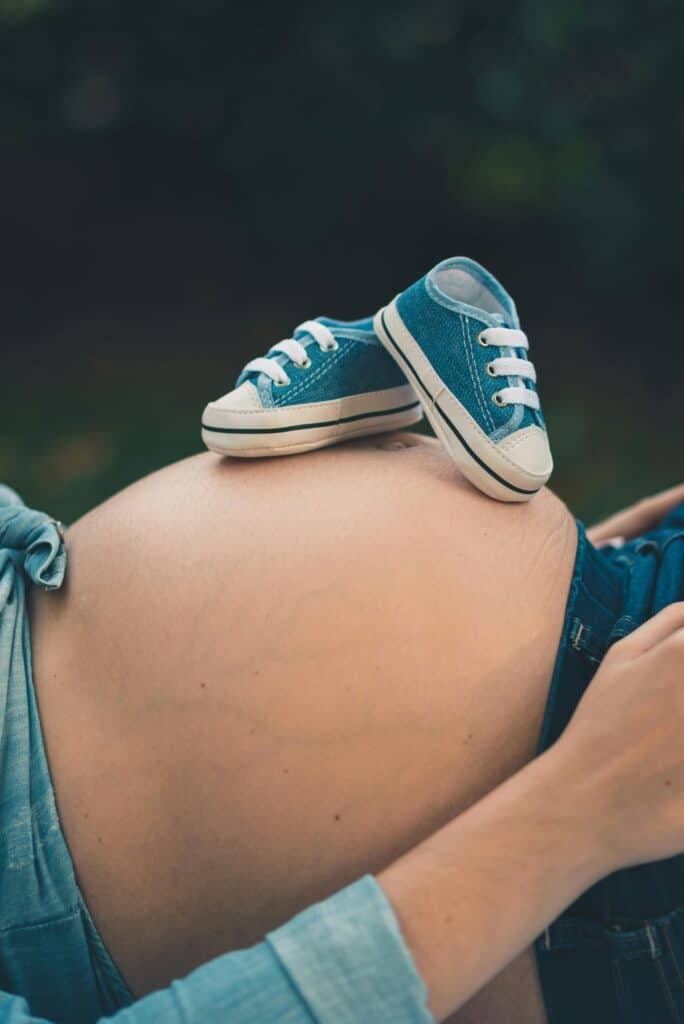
342	961
347	959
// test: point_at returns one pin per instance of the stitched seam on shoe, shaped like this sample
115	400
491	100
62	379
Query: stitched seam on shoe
465	326
315	376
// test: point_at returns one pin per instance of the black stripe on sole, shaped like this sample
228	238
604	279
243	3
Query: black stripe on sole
310	426
455	430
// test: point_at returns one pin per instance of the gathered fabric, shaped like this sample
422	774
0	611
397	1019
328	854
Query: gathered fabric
50	951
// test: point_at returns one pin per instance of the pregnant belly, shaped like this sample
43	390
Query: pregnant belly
265	680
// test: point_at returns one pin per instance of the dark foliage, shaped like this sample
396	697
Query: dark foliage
195	176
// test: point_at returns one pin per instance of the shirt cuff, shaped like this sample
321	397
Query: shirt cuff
349	962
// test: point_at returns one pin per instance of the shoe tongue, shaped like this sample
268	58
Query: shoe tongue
465	281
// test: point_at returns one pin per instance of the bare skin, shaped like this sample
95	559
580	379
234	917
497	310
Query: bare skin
267	678
522	849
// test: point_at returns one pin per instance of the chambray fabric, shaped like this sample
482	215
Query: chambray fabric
447	331
49	948
617	954
342	961
359	365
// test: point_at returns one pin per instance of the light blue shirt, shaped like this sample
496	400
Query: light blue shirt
342	961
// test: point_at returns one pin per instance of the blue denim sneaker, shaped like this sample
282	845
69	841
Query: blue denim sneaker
456	336
331	381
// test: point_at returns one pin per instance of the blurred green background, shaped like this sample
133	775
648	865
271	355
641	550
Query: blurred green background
183	182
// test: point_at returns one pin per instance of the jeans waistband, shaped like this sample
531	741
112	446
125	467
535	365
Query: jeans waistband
613	591
624	937
594	619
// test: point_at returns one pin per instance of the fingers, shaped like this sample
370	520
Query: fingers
658	629
639	517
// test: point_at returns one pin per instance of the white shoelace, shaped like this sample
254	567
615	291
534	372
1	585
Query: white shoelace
511	366
294	350
498	337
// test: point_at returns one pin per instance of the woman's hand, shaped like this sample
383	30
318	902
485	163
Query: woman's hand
637	519
609	793
625	741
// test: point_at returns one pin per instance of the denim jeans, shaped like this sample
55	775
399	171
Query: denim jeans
616	956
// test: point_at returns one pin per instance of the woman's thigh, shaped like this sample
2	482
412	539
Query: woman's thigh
264	680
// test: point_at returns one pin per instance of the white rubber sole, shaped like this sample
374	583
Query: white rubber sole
260	433
478	458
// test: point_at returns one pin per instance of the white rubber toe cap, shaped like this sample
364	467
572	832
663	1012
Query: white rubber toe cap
528	449
242	399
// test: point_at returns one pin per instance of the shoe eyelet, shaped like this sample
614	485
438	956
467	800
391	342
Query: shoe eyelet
481	340
498	400
491	371
303	366
281	383
330	348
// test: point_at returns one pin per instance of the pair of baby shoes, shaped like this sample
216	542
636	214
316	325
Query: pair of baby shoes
449	347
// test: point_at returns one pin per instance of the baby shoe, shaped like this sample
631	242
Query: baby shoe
455	334
330	382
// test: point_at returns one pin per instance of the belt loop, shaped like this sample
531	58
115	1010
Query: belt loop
583	639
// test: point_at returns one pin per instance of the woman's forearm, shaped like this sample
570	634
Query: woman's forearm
341	961
637	519
471	897
467	900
